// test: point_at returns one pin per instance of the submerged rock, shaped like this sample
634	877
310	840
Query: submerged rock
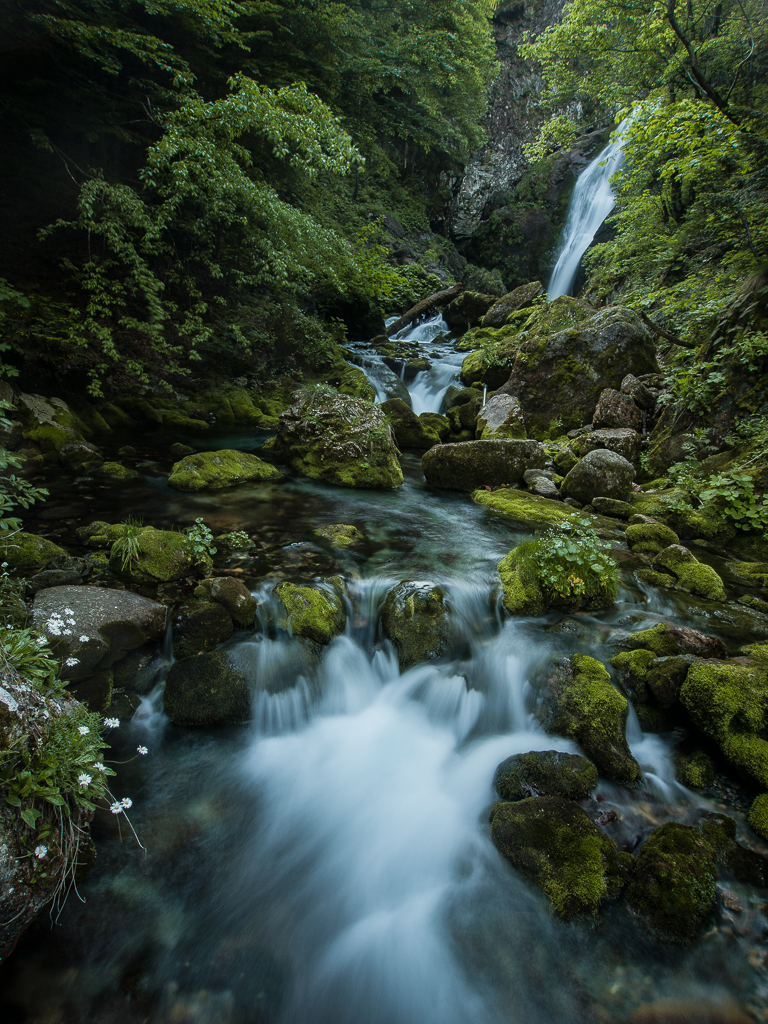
600	473
410	430
310	612
545	773
415	618
472	464
338	535
206	690
555	845
211	471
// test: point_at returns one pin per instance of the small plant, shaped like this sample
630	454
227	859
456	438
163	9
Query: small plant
236	540
731	496
200	540
127	546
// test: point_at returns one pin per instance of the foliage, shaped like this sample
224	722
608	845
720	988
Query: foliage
127	545
732	496
200	540
569	562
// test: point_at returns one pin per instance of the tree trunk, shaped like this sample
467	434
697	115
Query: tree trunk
438	299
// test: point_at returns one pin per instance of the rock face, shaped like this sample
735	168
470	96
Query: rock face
311	613
415	618
206	690
345	441
467	310
518	299
472	464
545	773
211	471
410	430
622	440
558	378
501	416
600	473
615	409
650	537
554	844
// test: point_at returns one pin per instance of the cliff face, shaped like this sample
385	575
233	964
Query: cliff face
507	213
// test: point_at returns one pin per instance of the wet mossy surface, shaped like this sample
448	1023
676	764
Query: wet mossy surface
212	471
199	626
415	618
545	773
310	612
523	507
690	574
758	815
205	690
668	640
650	538
26	552
339	535
160	556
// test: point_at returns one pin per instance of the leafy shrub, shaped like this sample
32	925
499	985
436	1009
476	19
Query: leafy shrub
731	496
200	540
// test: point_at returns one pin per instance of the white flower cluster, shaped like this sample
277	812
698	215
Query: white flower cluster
112	723
121	805
59	624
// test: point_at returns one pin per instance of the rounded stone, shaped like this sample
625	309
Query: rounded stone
545	773
600	473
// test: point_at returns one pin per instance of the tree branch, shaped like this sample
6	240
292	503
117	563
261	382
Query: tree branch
701	79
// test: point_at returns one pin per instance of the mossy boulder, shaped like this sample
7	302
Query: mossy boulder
520	595
199	626
520	298
211	471
462	418
467	310
437	423
344	441
632	668
233	595
49	423
757	651
554	844
666	676
690	575
740	862
501	416
729	703
115	471
666	641
545	773
310	612
600	473
758	815
622	441
415	617
206	690
160	557
472	464
410	430
524	592
531	509
26	552
752	573
694	769
339	535
491	364
583	705
178	450
673	886
669	507
650	538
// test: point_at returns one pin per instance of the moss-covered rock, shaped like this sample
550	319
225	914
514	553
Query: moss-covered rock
690	575
415	618
757	651
310	612
211	471
410	430
178	450
26	553
743	864
199	626
532	509
344	441
665	677
525	593
694	769
752	573
520	597
338	535
114	471
673	886
555	845
669	507
206	690
632	669
600	473
437	423
233	595
650	538
545	773
583	705
729	703
758	815
467	310
159	557
621	440
666	641
462	418
520	298
471	464
501	416
49	423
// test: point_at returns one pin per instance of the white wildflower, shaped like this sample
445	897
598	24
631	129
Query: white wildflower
83	730
84	639
71	662
41	641
84	779
99	766
4	565
126	802
53	629
142	750
116	807
112	723
41	851
68	611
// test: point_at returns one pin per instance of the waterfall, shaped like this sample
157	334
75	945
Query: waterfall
591	202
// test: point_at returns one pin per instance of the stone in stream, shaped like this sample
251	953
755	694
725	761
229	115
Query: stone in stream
615	409
665	640
526	508
556	846
467	310
310	612
673	885
539	481
745	865
520	298
207	690
501	416
199	626
689	574
410	430
545	773
649	537
472	464
632	669
211	471
159	556
622	440
338	535
26	552
600	472
233	595
415	618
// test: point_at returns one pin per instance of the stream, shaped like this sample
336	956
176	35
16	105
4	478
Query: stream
331	861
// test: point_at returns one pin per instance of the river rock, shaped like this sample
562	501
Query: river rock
50	424
520	298
642	395
666	640
545	773
26	552
501	416
233	595
467	310
80	455
600	472
199	626
211	471
622	440
673	885
416	619
650	537
522	507
689	574
462	417
310	612
344	441
539	482
95	625
161	556
555	845
207	690
472	464
410	430
615	409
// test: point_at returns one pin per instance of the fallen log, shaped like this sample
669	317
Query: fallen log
665	334
438	299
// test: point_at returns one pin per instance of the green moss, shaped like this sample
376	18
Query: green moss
161	556
309	612
690	575
519	598
338	535
554	844
665	677
545	773
754	573
669	508
757	651
522	507
212	471
199	626
26	551
661	639
694	769
586	707
650	538
114	471
632	668
673	888
565	460
654	579
410	430
758	815
415	618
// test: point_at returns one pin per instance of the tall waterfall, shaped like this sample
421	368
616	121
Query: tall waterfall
591	202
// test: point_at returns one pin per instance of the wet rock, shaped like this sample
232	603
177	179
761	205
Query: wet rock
344	441
758	815
584	706
666	641
673	886
520	298
622	440
114	471
642	395
455	396
525	593
310	612
612	507
339	536
233	595
555	845
694	769
545	773
160	556
26	552
690	575
524	507
538	482
97	529
415	618
501	416
600	473
436	422
689	1011
743	864
632	669
80	455
471	464
53	578
211	471
463	417
206	690
50	424
565	460
650	537
410	431
199	626
757	651
665	677
467	310
178	451
615	409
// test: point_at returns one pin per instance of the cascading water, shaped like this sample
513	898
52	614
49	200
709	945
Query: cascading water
591	202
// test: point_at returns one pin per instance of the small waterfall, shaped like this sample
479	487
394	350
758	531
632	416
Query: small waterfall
591	202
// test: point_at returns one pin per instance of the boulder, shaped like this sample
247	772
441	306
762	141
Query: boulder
415	618
520	298
600	472
744	864
344	441
555	845
339	536
501	416
233	595
522	507
114	471
199	626
632	669
622	440
539	482
160	556
666	641
584	706
472	464
94	626
207	690
467	310
80	455
211	471
545	773
26	552
50	424
178	451
642	395
689	574
650	537
673	886
462	417
615	409
310	612
410	431
436	422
